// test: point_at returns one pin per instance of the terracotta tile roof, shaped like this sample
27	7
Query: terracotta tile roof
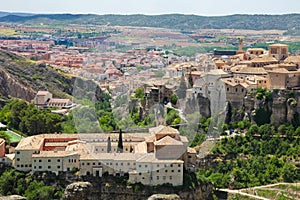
53	154
167	140
163	130
264	59
292	59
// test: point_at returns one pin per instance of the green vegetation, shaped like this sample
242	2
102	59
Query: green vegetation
14	182
172	21
261	157
139	93
173	117
5	136
91	117
28	119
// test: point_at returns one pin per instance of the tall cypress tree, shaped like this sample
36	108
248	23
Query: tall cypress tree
108	145
120	142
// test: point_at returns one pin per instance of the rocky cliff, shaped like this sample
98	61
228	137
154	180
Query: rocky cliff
21	78
113	188
262	106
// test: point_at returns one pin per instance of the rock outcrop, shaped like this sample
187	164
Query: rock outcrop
13	197
107	188
164	197
79	191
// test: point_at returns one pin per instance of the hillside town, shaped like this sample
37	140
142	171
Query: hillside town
215	109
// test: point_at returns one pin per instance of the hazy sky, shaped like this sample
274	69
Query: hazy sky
198	7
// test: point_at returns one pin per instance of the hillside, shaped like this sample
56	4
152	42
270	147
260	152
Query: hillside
174	21
21	78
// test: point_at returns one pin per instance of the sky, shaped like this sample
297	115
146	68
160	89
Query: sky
153	7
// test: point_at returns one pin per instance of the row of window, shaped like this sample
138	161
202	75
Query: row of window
58	160
24	166
163	170
162	165
113	150
49	167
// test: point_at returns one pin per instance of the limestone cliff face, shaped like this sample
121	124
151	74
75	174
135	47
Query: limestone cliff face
104	190
204	106
279	106
11	87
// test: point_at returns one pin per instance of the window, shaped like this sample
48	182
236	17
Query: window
82	164
117	164
40	167
179	170
58	167
40	160
94	163
49	167
121	164
157	165
140	173
34	167
146	166
18	152
128	164
22	165
18	159
26	165
58	160
88	163
34	160
140	165
172	170
171	165
171	177
178	165
49	160
157	177
157	170
166	170
164	177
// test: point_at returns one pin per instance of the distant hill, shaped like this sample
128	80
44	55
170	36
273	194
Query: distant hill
3	14
173	21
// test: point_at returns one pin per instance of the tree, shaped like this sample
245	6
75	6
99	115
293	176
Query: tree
108	145
120	142
38	191
174	99
139	93
5	136
265	131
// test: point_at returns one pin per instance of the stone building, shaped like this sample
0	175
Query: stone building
151	158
